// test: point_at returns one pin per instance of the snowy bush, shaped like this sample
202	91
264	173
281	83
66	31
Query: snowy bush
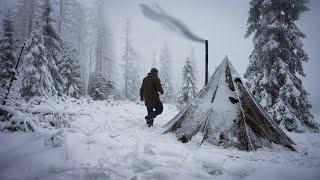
100	88
55	140
35	115
12	120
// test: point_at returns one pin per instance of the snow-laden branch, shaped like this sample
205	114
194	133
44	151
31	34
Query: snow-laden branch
43	111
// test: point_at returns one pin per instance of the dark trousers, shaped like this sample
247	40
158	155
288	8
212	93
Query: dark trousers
152	114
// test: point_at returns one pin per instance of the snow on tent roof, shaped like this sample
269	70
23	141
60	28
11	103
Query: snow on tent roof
225	113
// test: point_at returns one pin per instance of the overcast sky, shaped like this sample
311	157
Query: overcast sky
222	22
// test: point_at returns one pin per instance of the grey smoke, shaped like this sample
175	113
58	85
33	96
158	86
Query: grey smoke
159	15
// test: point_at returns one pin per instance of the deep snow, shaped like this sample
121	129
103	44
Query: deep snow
115	143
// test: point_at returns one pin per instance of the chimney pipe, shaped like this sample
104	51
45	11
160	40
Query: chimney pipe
206	63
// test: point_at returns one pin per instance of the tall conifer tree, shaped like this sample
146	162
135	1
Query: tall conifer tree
7	54
34	73
70	70
277	62
188	90
165	74
131	66
101	85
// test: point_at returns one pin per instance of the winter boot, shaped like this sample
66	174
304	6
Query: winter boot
150	122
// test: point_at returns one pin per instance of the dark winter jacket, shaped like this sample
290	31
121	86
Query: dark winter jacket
149	90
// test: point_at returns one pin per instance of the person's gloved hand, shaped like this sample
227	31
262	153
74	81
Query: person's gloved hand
141	98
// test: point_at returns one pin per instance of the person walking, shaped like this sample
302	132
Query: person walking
149	93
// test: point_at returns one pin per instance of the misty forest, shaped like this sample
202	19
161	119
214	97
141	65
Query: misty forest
85	95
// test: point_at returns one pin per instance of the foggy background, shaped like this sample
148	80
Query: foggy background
222	23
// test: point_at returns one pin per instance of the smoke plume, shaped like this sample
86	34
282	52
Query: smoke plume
159	15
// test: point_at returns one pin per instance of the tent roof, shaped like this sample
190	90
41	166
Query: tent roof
225	113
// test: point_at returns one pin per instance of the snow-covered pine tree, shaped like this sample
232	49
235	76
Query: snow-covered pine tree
71	20
34	73
276	62
194	65
100	88
7	53
188	90
66	9
134	73
154	63
101	85
165	74
79	13
26	13
104	51
52	43
130	59
69	69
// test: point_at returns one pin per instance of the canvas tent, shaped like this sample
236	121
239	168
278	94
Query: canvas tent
225	113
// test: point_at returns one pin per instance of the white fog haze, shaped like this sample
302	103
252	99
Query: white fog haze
222	23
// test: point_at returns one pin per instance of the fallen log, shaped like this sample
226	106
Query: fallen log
42	111
23	119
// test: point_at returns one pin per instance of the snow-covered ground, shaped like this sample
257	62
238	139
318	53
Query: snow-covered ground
115	143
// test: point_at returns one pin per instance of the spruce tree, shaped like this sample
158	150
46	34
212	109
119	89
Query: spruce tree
194	65
104	51
71	22
165	74
34	73
100	88
39	75
7	54
133	74
69	69
188	90
130	59
68	12
154	63
52	43
277	62
25	17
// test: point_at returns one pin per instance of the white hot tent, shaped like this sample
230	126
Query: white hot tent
225	113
